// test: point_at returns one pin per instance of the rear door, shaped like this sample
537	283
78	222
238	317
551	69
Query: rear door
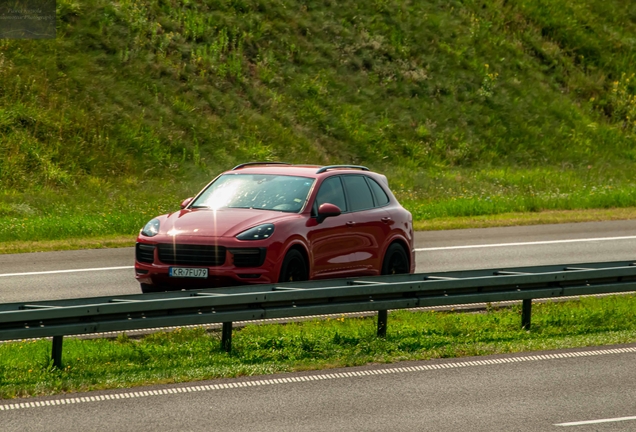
369	222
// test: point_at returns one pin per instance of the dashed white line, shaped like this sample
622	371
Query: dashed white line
332	376
545	242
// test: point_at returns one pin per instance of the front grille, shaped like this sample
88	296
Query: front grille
145	253
199	255
248	257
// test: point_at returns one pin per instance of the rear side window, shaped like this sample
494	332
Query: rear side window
381	198
358	192
331	192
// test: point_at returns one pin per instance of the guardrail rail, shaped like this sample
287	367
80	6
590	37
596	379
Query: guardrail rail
59	318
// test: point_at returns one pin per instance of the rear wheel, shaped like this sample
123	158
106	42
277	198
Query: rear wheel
395	260
294	267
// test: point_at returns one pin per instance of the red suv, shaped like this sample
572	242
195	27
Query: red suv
275	222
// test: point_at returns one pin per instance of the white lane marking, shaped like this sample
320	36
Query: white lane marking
597	239
329	376
587	422
66	271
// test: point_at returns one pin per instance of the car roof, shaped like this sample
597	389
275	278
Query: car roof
298	170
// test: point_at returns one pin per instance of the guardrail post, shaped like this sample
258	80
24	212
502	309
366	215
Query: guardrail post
226	337
526	314
56	351
382	319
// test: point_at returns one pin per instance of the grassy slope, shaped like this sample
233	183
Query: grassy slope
471	107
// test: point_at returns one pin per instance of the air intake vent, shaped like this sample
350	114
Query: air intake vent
199	255
145	253
248	257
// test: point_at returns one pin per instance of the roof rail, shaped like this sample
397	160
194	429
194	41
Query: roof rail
328	167
259	163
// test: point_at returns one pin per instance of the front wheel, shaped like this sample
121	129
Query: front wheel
294	267
395	260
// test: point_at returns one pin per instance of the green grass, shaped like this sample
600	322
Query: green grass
119	208
194	354
453	193
91	211
471	108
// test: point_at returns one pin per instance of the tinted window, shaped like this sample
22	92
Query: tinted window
331	192
380	196
358	192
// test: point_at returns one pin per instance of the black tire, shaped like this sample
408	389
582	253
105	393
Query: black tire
294	267
395	260
147	288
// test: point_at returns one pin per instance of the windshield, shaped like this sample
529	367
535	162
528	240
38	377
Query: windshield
256	191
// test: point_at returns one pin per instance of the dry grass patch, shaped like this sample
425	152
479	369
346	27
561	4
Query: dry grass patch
67	244
518	219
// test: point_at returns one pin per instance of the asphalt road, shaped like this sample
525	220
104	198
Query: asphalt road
546	391
54	275
584	390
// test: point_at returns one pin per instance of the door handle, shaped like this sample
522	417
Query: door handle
386	219
351	223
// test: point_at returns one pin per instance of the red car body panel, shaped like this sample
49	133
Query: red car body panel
350	244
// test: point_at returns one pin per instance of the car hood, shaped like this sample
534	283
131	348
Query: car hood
217	223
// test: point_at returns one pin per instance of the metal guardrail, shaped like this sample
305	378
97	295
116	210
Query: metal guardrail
59	318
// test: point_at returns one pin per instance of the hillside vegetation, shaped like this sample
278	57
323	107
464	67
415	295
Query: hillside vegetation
470	107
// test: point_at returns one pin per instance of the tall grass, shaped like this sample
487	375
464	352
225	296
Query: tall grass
134	92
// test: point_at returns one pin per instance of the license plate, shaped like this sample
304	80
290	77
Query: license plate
185	272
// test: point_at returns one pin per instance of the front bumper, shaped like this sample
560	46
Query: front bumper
228	265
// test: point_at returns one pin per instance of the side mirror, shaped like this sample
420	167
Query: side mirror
185	202
327	210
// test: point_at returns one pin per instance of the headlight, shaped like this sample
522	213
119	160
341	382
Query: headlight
151	229
257	233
